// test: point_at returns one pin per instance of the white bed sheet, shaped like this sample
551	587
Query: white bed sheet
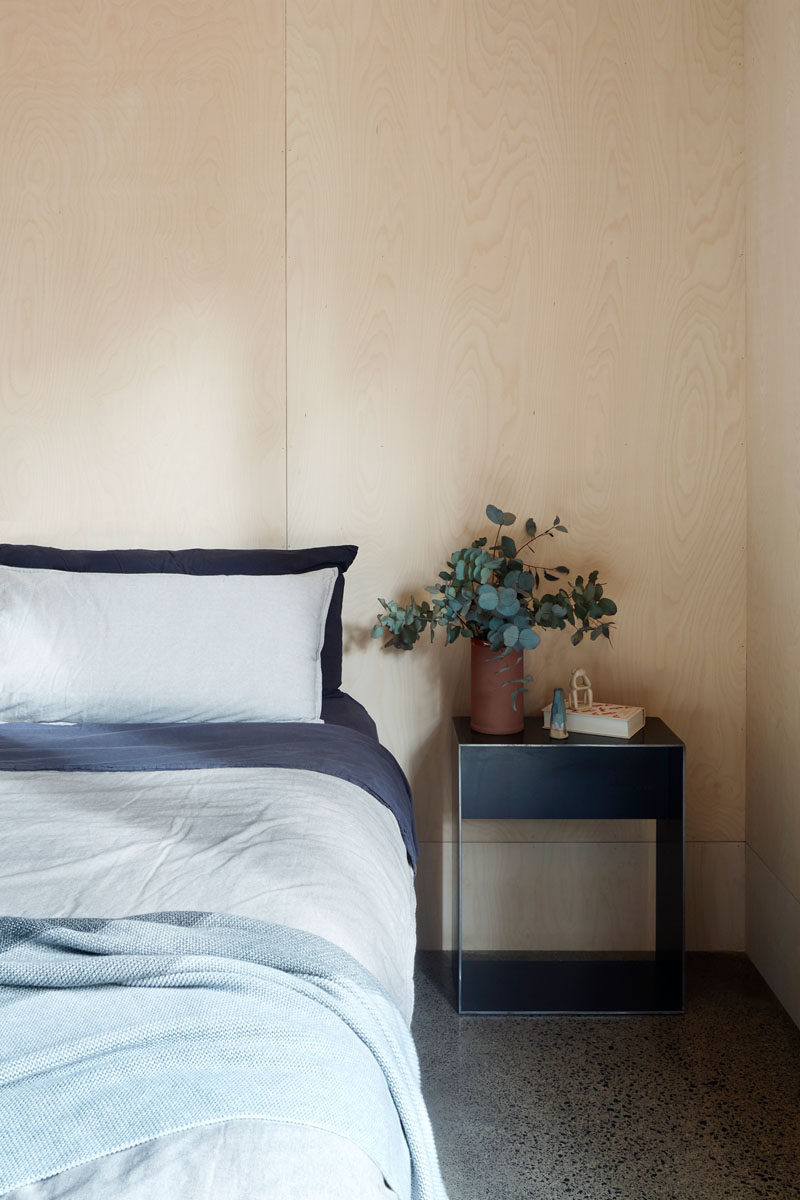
297	847
292	846
236	1160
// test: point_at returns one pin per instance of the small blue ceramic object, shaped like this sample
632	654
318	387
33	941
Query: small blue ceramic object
558	715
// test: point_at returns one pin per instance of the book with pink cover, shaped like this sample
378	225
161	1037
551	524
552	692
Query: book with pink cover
606	720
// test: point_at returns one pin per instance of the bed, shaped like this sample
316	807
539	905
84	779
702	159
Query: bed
206	865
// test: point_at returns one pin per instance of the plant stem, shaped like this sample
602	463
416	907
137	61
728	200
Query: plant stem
535	538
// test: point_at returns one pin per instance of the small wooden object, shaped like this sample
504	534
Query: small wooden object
580	690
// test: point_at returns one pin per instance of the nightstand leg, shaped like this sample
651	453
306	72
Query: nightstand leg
670	868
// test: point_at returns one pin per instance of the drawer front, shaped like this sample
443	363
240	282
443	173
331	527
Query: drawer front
563	780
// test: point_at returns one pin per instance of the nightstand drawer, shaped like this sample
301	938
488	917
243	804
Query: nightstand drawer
565	779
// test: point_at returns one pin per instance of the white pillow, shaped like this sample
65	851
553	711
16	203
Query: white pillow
81	646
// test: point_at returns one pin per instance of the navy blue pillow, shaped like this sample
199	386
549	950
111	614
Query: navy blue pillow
209	562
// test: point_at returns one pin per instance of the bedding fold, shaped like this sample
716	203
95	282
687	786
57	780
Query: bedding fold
328	749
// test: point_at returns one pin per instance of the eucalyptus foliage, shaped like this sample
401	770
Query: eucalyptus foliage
492	593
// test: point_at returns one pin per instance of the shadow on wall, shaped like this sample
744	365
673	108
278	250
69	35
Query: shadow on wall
437	902
356	638
432	774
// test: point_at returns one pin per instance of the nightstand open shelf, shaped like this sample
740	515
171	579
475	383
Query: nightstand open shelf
530	776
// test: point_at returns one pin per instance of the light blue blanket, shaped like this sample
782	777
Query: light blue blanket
113	1032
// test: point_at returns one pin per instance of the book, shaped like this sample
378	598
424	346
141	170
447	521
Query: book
606	720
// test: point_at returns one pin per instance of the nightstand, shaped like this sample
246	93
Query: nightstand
531	776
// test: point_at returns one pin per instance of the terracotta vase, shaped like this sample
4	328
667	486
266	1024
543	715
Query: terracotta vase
491	708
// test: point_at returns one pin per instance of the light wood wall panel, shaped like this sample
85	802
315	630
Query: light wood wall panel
773	296
541	894
515	274
715	896
558	896
142	391
773	932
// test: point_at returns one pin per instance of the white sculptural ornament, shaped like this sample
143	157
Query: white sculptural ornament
580	690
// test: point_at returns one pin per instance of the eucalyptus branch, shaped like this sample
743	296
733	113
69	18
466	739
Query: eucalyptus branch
498	590
535	538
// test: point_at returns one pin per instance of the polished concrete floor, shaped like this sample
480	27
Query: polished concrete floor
694	1107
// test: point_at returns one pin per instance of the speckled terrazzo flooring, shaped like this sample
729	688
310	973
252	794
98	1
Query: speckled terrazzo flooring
703	1106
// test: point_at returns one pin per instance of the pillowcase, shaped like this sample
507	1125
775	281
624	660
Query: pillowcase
210	562
90	646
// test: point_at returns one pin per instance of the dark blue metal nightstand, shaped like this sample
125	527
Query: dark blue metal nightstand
530	776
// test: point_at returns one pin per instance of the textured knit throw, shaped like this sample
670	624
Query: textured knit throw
114	1032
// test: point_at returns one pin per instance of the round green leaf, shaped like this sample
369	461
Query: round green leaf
510	608
529	639
487	597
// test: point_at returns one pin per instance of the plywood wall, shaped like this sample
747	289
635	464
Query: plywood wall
773	294
141	272
515	239
513	272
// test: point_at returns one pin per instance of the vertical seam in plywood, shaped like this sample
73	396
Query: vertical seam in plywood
747	402
285	277
747	514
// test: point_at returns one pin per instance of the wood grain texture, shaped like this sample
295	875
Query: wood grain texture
542	895
437	904
558	896
773	291
715	896
558	831
515	274
141	272
772	69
